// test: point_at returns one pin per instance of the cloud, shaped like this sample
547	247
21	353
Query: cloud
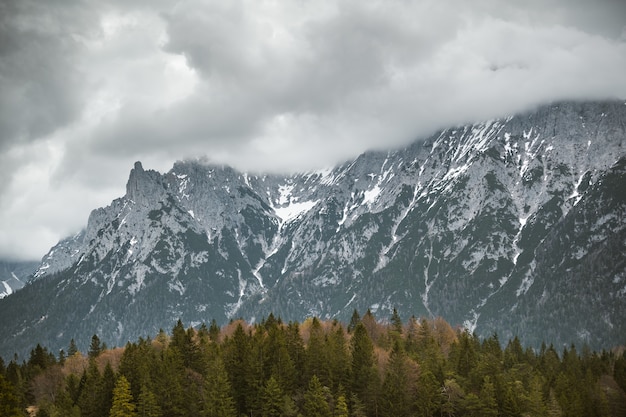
41	83
90	87
351	75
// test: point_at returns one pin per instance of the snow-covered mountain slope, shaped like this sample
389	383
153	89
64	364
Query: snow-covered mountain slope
14	275
513	226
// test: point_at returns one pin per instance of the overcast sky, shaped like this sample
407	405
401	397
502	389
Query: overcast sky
89	87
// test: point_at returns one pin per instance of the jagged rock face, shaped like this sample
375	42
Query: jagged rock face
513	226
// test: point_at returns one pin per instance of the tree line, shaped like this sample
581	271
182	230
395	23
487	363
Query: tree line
365	368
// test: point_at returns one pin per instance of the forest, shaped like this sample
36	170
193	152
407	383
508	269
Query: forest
368	367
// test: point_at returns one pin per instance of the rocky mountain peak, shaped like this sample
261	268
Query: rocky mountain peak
144	187
512	226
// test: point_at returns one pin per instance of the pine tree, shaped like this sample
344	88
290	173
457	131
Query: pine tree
362	360
237	357
341	407
395	390
338	359
72	350
315	402
396	322
489	404
214	331
9	400
147	405
273	399
466	357
365	380
107	386
316	354
429	398
354	320
92	397
168	382
217	401
123	405
297	353
95	348
452	398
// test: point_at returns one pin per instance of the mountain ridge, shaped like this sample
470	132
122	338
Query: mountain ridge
463	225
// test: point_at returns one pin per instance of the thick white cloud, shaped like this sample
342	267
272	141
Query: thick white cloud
89	87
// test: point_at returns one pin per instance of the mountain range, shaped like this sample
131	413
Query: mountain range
512	226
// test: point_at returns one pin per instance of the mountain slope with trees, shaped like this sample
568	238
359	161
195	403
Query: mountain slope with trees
317	368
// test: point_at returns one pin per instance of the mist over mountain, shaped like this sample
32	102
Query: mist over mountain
514	226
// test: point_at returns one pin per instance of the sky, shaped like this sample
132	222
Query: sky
88	87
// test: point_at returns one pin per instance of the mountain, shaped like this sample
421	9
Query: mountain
514	226
14	275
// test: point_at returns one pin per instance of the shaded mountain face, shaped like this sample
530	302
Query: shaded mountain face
514	226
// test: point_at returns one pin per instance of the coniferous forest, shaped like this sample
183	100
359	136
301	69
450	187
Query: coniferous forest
367	368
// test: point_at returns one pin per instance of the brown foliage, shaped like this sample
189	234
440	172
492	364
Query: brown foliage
48	384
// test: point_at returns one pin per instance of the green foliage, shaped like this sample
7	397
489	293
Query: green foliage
123	405
9	399
95	348
147	404
396	390
341	407
318	369
315	401
217	399
93	399
273	401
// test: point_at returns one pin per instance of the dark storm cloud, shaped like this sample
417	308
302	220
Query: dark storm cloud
41	81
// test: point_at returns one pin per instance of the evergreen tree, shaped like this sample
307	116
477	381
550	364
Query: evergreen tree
428	395
365	380
64	406
338	359
452	398
341	407
123	405
370	324
137	364
395	390
315	402
9	400
396	322
534	400
214	331
316	354
489	404
237	360
354	320
40	359
273	399
107	386
297	353
93	399
217	401
147	404
465	354
95	348
72	387
168	378
283	368
72	349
